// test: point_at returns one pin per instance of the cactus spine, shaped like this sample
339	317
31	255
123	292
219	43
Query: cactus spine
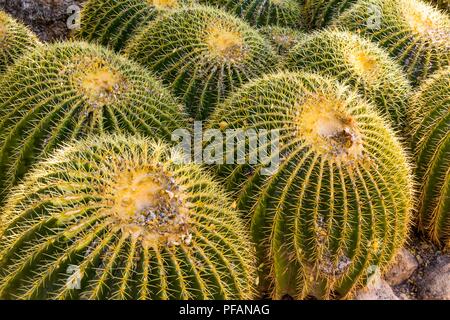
320	13
15	40
117	217
415	34
68	90
431	145
113	22
358	63
282	39
283	13
203	54
338	205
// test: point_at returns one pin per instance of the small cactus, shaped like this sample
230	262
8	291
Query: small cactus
282	39
431	146
65	91
358	63
116	217
320	13
283	13
15	40
337	208
415	34
113	22
203	54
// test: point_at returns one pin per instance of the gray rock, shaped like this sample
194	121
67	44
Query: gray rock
377	289
403	267
435	284
48	18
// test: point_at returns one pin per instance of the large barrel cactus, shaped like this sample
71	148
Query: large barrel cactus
15	40
283	13
203	54
114	22
68	90
431	145
414	33
120	218
320	13
359	63
337	207
282	39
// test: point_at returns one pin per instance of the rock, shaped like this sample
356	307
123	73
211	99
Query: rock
403	267
435	284
48	18
377	289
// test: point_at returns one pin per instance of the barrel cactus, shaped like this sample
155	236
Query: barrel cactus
431	145
15	40
203	54
337	207
68	90
282	39
120	217
320	13
284	13
114	22
359	63
414	33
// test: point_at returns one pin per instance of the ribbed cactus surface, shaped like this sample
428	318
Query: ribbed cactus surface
282	39
413	32
359	63
203	54
337	207
68	90
15	40
283	13
116	217
114	22
320	13
431	146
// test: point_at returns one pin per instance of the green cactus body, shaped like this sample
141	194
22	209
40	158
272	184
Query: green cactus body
116	217
415	34
283	13
203	54
358	63
68	90
319	13
114	22
431	145
15	40
337	208
282	39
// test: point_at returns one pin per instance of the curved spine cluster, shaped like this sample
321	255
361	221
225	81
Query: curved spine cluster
69	90
431	146
282	39
337	208
360	64
116	218
320	13
414	33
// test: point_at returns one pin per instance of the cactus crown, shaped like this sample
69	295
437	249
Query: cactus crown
164	4
135	222
225	44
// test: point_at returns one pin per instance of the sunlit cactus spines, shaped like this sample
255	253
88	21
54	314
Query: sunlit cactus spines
358	63
283	13
114	22
68	90
282	39
337	208
320	13
203	54
431	146
119	217
441	4
15	40
415	33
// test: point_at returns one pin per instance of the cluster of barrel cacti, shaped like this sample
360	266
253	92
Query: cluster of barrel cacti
97	201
